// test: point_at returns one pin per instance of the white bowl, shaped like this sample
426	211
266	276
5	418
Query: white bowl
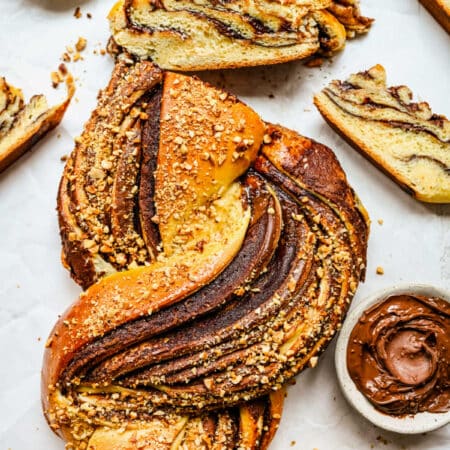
418	423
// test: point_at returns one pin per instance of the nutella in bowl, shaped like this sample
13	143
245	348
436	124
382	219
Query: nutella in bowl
393	358
398	355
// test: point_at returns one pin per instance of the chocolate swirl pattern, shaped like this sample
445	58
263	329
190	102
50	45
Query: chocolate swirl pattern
233	249
405	139
22	125
198	35
398	355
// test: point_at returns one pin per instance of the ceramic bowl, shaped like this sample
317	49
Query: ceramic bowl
419	423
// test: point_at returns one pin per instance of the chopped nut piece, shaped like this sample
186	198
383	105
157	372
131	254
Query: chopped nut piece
313	361
63	69
380	270
56	79
107	165
77	13
81	44
314	62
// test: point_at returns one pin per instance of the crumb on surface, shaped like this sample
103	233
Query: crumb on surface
380	270
63	69
383	440
293	443
380	221
56	78
314	62
59	76
64	158
77	13
66	57
81	44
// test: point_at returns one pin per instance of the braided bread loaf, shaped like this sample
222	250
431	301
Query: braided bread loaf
226	251
204	34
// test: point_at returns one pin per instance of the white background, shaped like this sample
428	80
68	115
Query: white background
413	244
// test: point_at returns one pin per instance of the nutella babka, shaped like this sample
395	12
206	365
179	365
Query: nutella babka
404	139
22	125
220	255
189	35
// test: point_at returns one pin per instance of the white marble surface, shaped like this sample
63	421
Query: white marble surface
413	244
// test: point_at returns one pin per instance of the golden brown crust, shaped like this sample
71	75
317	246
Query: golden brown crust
440	9
28	124
271	255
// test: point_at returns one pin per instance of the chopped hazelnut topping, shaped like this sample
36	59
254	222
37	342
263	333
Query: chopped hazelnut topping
81	44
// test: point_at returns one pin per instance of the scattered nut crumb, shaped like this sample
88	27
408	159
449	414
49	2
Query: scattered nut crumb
315	62
56	78
76	57
89	15
81	44
66	57
380	270
380	221
383	440
77	13
293	443
64	158
63	69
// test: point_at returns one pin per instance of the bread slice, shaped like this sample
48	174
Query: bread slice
440	9
205	34
404	139
22	125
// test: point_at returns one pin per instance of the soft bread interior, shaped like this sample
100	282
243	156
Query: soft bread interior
23	125
205	35
404	139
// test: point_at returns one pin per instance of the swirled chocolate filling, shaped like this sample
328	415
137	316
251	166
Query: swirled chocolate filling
399	352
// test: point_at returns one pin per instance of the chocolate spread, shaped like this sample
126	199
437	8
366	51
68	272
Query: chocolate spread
398	355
